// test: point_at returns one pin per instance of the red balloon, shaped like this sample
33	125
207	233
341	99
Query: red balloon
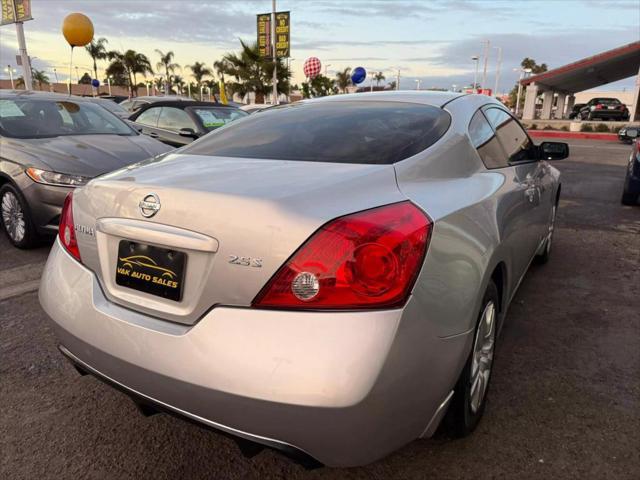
312	67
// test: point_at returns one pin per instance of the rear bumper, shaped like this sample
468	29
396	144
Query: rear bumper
346	388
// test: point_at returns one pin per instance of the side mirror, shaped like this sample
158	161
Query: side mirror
553	150
632	132
188	132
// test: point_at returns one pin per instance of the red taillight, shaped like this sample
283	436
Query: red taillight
599	106
66	229
369	259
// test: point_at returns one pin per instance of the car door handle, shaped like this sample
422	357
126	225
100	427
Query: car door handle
153	134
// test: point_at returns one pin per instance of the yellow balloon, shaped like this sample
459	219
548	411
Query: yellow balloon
77	29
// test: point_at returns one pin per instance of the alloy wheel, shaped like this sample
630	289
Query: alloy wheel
13	217
482	356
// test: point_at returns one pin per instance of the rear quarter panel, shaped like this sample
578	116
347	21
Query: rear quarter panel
475	224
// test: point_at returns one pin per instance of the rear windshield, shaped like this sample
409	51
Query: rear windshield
363	132
607	101
28	118
213	118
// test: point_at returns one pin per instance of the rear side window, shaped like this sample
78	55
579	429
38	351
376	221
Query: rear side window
363	132
149	117
484	139
512	136
175	119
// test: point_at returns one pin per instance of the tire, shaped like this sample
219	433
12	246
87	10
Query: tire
15	218
468	403
545	254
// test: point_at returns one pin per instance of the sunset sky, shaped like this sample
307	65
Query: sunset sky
430	40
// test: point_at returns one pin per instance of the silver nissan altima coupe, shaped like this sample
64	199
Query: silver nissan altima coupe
326	278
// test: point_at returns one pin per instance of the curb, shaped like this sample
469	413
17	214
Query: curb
573	135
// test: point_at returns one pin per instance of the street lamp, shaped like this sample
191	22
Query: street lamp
476	59
495	89
417	80
10	71
108	83
523	73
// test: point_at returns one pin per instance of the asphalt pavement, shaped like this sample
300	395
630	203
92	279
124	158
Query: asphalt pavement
564	400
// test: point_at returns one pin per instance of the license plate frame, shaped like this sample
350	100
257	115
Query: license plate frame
149	269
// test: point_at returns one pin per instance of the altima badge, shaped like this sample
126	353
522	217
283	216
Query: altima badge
150	205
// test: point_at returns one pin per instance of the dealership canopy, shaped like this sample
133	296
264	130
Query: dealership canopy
601	69
590	72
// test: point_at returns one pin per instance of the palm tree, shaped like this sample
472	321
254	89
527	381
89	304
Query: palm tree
199	71
253	73
379	77
36	76
343	79
165	62
97	51
132	63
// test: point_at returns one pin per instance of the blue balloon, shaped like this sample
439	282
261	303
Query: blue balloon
358	75
95	82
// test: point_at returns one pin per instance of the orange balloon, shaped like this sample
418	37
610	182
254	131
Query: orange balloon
77	29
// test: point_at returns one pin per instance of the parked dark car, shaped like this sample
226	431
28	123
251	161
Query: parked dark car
180	123
136	103
575	111
629	133
631	189
49	144
604	109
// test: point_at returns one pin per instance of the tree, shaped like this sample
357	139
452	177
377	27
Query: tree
343	79
319	86
253	73
392	85
379	77
169	67
535	69
117	75
130	63
199	70
85	79
97	51
37	76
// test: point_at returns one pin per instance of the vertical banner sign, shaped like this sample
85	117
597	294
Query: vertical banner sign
283	35
264	35
22	9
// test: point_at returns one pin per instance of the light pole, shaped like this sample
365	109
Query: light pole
523	71
417	80
77	75
476	59
55	73
495	89
486	61
325	68
10	71
109	83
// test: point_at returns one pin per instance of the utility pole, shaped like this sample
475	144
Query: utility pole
398	80
22	47
486	60
274	100
476	59
495	89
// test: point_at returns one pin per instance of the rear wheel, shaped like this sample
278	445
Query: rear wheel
15	218
470	393
628	198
